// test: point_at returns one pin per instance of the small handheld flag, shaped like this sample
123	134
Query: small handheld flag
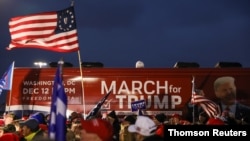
7	78
97	107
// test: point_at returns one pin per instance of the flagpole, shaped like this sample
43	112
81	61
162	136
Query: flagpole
9	100
82	85
80	65
193	90
12	73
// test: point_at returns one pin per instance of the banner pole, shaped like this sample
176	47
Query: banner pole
82	85
12	74
193	90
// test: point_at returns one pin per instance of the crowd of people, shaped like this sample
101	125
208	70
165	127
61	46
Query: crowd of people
110	127
113	127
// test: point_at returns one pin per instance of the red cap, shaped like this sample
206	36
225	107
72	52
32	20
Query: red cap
175	115
100	127
215	121
9	137
1	122
43	127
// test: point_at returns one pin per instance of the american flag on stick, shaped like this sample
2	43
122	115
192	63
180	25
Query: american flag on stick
53	31
210	107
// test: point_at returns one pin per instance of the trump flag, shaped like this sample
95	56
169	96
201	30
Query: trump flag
7	78
57	124
53	31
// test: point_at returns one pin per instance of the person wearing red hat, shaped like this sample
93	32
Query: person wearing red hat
159	120
215	121
74	126
96	129
175	119
145	129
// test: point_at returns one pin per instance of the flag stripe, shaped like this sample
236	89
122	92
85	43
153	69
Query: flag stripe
210	107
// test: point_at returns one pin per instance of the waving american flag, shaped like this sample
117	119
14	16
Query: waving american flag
53	31
211	108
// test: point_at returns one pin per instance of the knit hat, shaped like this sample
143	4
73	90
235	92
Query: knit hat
100	127
75	115
130	118
9	128
144	126
31	123
161	117
112	114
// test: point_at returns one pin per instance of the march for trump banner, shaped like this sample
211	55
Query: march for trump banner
7	78
53	31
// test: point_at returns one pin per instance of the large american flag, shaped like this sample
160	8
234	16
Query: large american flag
53	31
211	108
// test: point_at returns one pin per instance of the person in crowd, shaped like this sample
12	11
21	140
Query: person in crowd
125	135
175	119
16	123
202	119
226	92
40	117
9	118
9	128
96	129
114	121
74	127
47	118
159	120
145	129
31	130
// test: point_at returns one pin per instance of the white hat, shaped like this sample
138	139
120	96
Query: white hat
144	126
139	64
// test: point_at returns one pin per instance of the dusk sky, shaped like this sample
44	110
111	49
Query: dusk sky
158	32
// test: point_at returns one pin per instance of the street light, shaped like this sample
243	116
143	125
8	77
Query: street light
40	64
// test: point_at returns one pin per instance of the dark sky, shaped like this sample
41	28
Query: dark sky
158	32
